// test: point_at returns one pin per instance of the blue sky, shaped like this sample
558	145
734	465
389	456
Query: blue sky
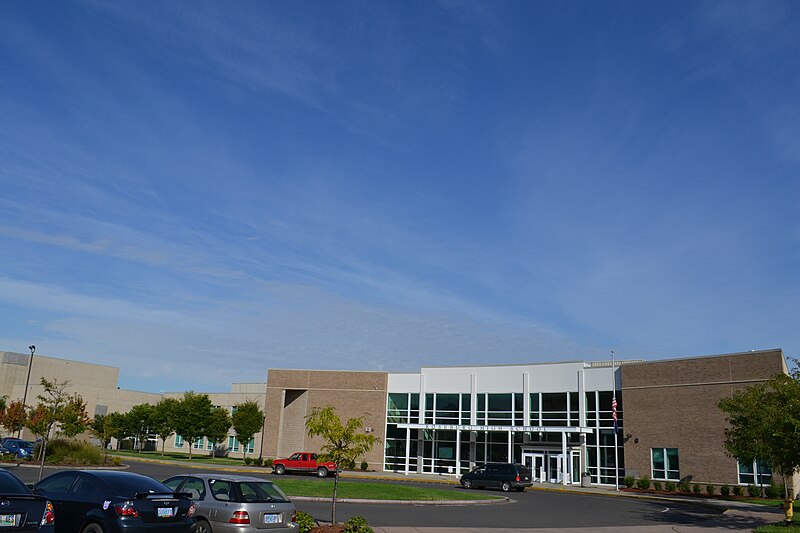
197	192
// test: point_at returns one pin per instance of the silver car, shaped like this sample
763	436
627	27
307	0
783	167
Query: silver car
236	504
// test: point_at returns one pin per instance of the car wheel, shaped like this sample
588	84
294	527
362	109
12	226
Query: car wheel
279	470
505	486
203	527
466	483
92	528
322	472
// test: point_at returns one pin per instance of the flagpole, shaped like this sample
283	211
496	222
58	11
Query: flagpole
614	403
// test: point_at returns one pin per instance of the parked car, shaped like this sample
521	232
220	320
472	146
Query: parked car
110	501
20	510
19	448
503	476
236	504
303	462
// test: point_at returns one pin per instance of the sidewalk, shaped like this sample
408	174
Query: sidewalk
739	516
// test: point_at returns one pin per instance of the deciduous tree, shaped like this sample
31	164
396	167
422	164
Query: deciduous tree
14	417
764	424
164	419
248	419
194	417
218	426
343	442
138	420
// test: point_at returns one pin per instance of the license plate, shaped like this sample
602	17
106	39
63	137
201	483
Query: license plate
272	518
165	512
8	520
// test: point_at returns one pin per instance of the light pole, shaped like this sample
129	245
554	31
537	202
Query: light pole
32	348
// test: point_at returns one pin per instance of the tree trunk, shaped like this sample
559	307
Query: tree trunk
333	501
163	443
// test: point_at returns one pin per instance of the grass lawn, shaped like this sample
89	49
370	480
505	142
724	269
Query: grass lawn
769	502
323	488
778	527
200	457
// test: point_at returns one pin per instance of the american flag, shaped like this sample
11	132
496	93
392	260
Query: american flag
614	412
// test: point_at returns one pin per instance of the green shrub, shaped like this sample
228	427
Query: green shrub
725	490
775	491
364	465
696	488
669	486
305	522
628	481
248	460
73	452
258	461
357	524
267	463
684	486
753	491
710	489
349	464
657	485
643	483
738	490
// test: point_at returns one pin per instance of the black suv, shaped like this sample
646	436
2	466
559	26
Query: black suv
503	476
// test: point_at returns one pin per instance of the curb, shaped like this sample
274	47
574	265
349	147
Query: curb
441	503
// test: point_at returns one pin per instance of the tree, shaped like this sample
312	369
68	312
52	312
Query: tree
343	444
14	417
248	419
138	421
45	415
218	427
764	424
164	416
99	429
116	426
72	417
194	417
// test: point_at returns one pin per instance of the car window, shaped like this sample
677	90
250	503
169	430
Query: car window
128	484
174	482
195	487
221	490
260	491
313	456
85	486
295	457
493	468
479	470
57	482
11	485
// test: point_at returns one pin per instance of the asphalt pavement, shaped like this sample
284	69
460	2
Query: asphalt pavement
722	515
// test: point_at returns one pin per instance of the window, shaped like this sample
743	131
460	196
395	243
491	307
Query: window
198	443
251	445
755	473
233	444
178	441
221	490
665	463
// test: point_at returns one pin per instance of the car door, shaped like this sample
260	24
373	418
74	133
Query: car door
218	502
56	489
86	498
493	475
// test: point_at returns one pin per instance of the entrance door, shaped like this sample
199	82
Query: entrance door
575	466
554	467
536	463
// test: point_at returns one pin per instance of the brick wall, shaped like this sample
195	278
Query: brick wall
352	394
673	404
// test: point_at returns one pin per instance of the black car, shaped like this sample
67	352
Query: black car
20	510
109	501
503	476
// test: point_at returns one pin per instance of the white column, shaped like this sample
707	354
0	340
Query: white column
564	458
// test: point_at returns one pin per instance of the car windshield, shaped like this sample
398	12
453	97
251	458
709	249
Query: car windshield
11	485
25	444
126	484
260	491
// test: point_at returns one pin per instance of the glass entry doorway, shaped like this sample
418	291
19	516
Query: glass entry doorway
536	463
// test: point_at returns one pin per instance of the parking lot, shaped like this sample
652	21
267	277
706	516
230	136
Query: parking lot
529	509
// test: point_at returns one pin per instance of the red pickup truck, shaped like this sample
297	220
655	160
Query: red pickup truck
302	462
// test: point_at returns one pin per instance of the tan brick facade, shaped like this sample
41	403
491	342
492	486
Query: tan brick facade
673	404
292	394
